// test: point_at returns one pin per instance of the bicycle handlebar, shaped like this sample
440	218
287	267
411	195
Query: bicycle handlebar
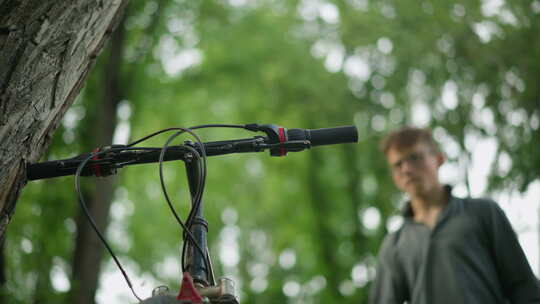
279	141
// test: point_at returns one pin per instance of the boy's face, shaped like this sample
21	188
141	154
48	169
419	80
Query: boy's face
415	169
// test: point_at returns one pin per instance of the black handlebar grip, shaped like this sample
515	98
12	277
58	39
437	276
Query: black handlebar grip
326	136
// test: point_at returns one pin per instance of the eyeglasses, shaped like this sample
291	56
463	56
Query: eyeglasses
414	159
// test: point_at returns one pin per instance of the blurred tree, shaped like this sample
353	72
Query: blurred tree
469	74
101	128
112	86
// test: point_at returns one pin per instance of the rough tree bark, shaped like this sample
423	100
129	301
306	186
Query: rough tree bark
47	49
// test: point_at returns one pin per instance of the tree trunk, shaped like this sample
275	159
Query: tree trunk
47	49
88	248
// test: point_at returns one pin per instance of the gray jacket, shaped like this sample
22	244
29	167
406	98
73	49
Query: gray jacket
472	255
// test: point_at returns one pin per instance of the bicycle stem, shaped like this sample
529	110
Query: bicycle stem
105	161
199	228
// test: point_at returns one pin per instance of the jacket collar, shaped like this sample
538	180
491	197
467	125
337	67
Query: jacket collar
408	213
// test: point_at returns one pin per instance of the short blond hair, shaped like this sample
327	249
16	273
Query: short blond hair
406	137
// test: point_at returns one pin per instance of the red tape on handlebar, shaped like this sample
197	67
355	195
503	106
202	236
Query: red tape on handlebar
282	139
96	169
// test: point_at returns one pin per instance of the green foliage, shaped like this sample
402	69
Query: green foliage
291	225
